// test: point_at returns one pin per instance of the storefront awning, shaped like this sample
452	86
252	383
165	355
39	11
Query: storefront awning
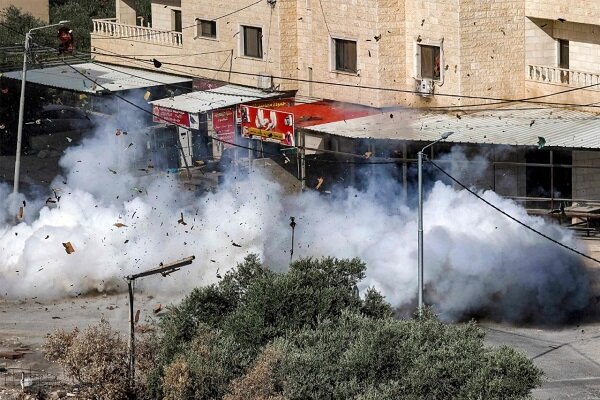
113	78
515	126
206	100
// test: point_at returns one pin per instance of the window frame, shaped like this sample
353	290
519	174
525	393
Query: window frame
199	30
174	13
418	62
334	55
242	42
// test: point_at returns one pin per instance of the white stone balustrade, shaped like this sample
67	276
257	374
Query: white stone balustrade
110	27
562	76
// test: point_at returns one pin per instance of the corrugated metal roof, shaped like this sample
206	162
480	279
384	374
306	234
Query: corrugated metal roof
560	127
113	78
211	99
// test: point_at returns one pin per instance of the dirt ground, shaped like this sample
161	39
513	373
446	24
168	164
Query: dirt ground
25	324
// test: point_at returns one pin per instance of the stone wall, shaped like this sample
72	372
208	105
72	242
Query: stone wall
540	44
586	181
486	45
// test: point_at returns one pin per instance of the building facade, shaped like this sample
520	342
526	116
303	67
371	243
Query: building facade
38	8
451	52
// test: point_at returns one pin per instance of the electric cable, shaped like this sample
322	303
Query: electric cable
185	27
511	217
339	84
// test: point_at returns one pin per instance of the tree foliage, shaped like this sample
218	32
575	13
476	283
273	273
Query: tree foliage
305	334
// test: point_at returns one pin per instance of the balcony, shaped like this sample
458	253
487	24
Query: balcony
109	27
561	76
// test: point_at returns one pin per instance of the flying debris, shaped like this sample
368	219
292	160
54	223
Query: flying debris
157	63
235	244
69	247
119	225
320	182
181	221
541	142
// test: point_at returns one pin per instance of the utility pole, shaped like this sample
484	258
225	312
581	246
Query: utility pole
22	103
420	220
164	270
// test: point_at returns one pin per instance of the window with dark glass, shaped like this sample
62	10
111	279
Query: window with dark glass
176	21
345	55
252	38
206	28
430	62
563	53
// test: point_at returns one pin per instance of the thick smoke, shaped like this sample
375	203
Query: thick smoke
476	260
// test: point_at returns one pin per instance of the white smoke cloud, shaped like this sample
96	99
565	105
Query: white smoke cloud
476	260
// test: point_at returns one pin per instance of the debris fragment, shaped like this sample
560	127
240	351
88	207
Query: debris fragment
69	247
147	95
235	244
113	171
377	38
368	155
319	182
157	63
137	317
20	213
541	142
181	221
157	308
119	225
118	132
531	123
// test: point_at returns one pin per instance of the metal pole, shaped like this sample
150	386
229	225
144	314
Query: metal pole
131	337
420	222
21	112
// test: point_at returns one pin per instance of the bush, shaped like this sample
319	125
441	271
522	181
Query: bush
96	358
361	358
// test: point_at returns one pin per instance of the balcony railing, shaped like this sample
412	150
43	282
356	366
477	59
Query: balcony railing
562	76
110	27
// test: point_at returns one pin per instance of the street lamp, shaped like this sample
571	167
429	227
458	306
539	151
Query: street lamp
164	270
420	217
22	103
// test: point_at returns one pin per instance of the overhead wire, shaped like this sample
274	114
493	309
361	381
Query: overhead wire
340	84
453	179
185	27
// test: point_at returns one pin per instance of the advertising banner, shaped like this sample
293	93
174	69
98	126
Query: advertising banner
224	126
267	103
168	115
268	125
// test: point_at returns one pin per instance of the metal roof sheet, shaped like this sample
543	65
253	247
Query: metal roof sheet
560	127
223	96
113	78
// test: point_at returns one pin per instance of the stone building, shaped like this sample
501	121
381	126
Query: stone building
448	50
417	54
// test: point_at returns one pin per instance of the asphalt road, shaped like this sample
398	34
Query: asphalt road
569	356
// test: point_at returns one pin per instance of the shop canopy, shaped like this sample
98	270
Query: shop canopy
220	97
99	78
515	126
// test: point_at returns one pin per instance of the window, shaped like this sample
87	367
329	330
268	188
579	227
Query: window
345	55
205	28
563	53
176	20
252	41
429	62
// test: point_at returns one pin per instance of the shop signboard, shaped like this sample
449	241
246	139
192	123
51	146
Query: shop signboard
180	118
268	125
224	126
